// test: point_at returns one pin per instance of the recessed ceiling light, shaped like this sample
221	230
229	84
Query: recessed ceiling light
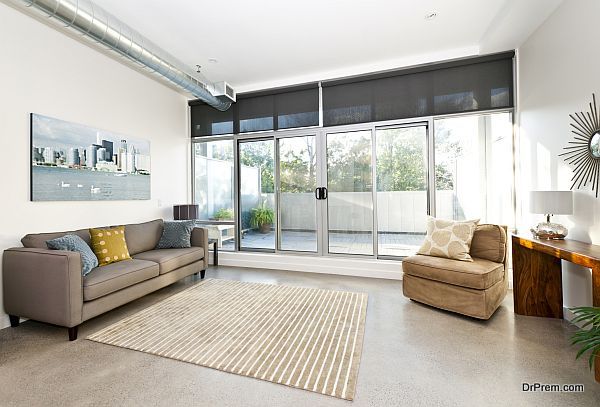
431	15
213	60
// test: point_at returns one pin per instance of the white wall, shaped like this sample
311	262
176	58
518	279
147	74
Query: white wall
46	72
559	69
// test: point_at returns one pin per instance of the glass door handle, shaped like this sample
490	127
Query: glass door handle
321	193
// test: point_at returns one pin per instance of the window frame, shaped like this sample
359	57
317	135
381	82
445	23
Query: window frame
320	131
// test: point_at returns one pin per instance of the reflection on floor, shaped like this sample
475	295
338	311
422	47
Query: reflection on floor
390	244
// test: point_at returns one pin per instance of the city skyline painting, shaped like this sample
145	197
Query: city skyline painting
75	162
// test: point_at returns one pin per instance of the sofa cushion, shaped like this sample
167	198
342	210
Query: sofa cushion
109	245
116	276
176	234
489	242
38	240
142	237
74	243
479	274
172	259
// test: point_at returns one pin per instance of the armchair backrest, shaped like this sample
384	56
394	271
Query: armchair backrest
490	243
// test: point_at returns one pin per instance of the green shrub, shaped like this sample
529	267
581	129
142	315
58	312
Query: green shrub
224	214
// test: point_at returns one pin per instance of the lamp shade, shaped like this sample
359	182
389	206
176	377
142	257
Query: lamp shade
551	202
185	212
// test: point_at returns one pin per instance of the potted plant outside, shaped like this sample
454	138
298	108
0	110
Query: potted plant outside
262	218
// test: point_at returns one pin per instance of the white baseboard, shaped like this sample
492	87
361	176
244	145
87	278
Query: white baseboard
4	321
568	315
357	267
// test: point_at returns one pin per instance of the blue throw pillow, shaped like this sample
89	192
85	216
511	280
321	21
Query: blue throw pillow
176	234
74	243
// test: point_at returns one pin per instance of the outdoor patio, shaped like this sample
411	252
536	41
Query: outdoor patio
390	244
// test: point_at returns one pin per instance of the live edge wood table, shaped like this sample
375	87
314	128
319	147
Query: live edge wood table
537	279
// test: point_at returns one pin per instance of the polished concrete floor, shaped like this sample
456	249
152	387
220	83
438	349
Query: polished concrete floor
413	355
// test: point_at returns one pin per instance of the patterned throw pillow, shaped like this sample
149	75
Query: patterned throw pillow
448	238
176	234
74	243
109	245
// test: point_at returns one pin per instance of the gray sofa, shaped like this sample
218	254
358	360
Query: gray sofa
47	285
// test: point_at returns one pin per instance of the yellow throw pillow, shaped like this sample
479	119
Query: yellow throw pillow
449	238
109	245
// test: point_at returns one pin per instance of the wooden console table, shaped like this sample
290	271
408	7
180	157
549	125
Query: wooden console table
537	275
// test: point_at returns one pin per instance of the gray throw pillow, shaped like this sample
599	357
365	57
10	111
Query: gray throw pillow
176	234
74	243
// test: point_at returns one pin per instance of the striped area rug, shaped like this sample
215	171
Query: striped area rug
302	337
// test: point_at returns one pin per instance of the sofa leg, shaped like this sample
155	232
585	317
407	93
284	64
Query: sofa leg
14	320
73	333
202	274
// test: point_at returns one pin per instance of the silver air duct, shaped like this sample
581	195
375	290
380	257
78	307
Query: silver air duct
99	26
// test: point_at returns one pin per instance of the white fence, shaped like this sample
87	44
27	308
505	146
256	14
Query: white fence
397	211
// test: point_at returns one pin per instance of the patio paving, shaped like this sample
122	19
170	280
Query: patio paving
390	244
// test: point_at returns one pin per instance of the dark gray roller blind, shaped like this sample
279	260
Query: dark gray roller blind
256	113
475	84
208	121
273	109
297	109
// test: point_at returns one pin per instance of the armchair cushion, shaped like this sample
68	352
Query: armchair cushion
448	238
489	242
479	274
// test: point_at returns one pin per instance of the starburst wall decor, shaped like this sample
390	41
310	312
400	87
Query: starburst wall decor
584	151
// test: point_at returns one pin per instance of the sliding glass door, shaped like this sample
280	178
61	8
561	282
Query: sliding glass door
402	178
257	216
350	192
358	192
297	180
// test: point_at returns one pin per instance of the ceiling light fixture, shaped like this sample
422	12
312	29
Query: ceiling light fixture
213	60
431	15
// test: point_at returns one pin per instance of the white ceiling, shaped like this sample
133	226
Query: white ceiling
265	43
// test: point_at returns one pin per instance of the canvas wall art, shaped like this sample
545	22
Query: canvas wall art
74	162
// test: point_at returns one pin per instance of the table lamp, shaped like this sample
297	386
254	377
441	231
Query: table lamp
550	203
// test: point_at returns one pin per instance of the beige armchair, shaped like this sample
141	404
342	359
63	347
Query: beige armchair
473	288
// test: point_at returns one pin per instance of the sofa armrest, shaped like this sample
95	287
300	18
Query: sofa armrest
44	285
200	239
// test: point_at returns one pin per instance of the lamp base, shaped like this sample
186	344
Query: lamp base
549	231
